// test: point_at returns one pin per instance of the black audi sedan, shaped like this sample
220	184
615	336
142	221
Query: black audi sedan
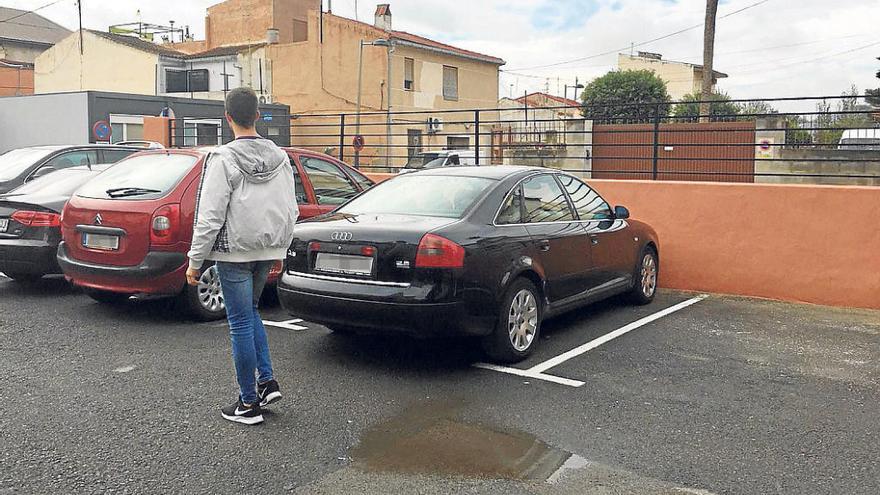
30	227
470	251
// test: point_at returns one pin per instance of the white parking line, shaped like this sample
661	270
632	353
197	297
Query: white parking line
530	374
287	325
538	371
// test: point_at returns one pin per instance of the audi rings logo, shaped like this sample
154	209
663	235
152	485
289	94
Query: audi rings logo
341	236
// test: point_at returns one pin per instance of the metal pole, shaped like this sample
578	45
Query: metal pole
477	137
357	122
342	138
656	157
388	105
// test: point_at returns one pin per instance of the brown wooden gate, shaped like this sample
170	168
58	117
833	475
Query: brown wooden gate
715	151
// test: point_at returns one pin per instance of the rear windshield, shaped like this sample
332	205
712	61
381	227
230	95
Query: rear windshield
61	183
139	177
14	163
419	161
424	195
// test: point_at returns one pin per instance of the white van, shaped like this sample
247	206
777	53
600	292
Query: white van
860	139
437	159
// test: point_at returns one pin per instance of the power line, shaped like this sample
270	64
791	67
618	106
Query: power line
30	11
665	36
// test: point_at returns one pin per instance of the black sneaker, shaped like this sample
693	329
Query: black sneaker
269	393
238	413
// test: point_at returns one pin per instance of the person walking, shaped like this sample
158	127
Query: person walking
245	215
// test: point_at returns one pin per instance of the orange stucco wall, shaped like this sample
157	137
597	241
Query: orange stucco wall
814	244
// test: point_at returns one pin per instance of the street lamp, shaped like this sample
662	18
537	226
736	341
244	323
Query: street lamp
357	125
576	87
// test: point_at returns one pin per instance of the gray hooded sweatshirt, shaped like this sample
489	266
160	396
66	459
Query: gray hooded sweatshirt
246	204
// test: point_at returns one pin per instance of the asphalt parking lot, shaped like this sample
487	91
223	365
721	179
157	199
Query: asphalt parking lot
725	395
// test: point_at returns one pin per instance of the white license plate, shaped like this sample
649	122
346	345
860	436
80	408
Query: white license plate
100	241
4	224
344	264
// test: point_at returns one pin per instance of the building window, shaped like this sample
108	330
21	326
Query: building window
198	80
450	83
202	132
126	128
175	81
185	81
408	77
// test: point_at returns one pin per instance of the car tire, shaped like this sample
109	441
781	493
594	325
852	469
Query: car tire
24	278
204	302
646	276
269	297
519	324
107	297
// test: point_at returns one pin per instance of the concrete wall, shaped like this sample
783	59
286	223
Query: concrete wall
51	119
60	68
823	162
815	244
20	52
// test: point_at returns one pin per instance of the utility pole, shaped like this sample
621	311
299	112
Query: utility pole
708	58
79	8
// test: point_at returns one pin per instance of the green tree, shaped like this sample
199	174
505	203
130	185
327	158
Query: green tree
752	110
832	120
625	97
721	109
794	134
873	98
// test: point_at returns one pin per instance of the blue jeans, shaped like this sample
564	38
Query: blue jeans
242	285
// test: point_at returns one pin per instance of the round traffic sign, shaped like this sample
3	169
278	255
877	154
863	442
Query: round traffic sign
358	142
102	130
765	144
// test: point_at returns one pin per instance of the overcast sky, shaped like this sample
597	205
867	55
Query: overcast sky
777	48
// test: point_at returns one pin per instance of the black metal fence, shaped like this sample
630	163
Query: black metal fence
826	139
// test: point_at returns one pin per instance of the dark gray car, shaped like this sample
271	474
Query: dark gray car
26	164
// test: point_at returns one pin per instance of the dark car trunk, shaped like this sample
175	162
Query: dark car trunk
347	240
15	230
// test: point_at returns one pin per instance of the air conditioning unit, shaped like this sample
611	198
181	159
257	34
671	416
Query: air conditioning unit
434	125
265	99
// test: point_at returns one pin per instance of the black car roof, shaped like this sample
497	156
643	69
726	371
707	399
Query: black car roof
494	172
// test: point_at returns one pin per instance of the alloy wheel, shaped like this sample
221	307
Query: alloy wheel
209	290
649	275
522	323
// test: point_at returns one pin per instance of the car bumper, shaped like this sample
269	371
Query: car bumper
28	256
160	273
377	308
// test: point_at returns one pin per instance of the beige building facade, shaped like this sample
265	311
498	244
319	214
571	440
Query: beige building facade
681	78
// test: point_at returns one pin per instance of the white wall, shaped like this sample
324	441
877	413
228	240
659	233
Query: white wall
43	119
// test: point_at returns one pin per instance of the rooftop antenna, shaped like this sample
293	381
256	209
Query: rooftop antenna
356	10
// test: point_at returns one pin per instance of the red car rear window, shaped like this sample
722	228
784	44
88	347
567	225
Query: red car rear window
140	177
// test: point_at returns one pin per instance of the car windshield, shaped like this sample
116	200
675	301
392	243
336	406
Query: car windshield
61	183
423	195
14	163
420	160
140	177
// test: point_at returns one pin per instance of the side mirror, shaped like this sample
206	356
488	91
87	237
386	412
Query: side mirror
43	172
621	213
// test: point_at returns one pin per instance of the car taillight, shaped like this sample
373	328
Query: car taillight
165	225
439	252
37	218
277	268
314	246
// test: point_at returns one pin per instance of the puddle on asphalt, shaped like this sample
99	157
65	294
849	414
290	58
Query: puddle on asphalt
428	439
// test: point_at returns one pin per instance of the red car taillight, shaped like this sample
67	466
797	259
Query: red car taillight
439	252
165	226
276	269
37	218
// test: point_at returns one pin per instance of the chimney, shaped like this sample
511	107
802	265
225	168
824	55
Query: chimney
272	35
383	16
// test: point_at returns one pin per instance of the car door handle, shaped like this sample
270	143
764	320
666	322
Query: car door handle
544	245
594	240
